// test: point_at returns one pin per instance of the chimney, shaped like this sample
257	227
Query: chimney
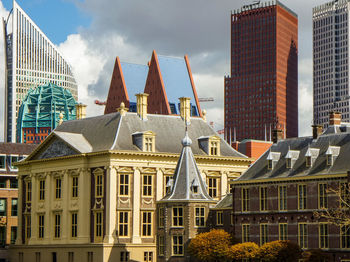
316	131
142	105
185	108
277	135
334	118
81	110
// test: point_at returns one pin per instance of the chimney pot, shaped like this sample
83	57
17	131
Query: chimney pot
185	108
142	105
334	118
316	131
277	135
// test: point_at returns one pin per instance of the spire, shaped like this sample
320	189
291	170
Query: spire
187	181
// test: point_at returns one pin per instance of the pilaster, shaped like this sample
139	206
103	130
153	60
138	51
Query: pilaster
111	204
136	239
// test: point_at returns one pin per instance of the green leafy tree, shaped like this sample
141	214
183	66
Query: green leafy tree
280	251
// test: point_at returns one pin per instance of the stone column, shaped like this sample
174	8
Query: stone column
159	184
84	200
111	204
136	219
224	185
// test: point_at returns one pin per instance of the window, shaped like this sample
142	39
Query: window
149	144
200	216
2	162
161	217
323	235
283	231
147	185
232	218
41	223
14	204
345	195
245	199
329	160
98	225
245	233
74	232
308	161
70	256
41	189
282	198
123	224
322	196
302	235
219	218
20	256
214	148
57	225
213	183
263	198
263	234
99	185
147	223
2	207
90	256
2	182
27	227
345	236
147	256
13	183
161	245
288	163
124	256
75	181
302	197
166	189
28	191
269	164
13	234
178	246
58	187
123	184
13	159
37	257
2	236
178	216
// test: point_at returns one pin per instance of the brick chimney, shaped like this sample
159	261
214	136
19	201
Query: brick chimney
277	135
334	118
185	108
141	105
80	111
316	131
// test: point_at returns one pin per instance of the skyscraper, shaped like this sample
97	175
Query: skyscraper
331	60
31	60
262	91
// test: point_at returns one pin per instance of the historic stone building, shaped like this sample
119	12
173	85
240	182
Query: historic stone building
278	195
89	191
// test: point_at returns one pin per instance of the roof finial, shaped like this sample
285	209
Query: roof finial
186	141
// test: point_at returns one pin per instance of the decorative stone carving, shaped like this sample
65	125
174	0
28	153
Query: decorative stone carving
56	149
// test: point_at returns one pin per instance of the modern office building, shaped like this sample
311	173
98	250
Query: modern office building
262	91
41	112
32	60
164	79
331	60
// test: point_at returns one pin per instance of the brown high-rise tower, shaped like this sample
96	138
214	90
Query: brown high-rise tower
262	91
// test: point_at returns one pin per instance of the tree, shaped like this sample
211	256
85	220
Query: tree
315	255
274	251
210	246
248	250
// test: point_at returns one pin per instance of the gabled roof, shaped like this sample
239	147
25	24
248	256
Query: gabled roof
186	177
306	146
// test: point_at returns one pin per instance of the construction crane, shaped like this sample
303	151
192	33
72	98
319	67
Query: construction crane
100	103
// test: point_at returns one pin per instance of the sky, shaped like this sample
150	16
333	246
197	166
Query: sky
90	34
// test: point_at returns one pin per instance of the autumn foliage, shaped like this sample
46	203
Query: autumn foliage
248	250
274	251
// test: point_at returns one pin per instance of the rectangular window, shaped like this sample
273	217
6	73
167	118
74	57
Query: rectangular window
13	234
2	162
263	198
219	218
42	189
98	225
70	256
124	184
75	181
302	197
147	256
27	227
13	183
74	232
2	207
161	245
147	185
245	199
212	187
282	198
28	191
322	196
245	233
2	236
200	216
123	224
263	234
178	216
37	257
57	225
149	144
90	256
13	159
58	188
124	256
147	223
214	148
283	231
14	205
178	246
345	195
99	185
345	236
161	217
323	234
41	224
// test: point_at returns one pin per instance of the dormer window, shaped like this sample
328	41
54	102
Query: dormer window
169	185
149	144
329	160
195	186
210	145
289	163
331	154
291	158
145	141
269	164
310	156
308	161
272	159
214	148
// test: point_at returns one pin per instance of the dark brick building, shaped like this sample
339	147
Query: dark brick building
262	89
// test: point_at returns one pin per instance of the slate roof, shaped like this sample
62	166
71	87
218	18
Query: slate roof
114	132
16	148
186	176
225	202
333	137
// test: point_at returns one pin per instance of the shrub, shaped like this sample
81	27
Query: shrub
248	250
274	251
315	255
